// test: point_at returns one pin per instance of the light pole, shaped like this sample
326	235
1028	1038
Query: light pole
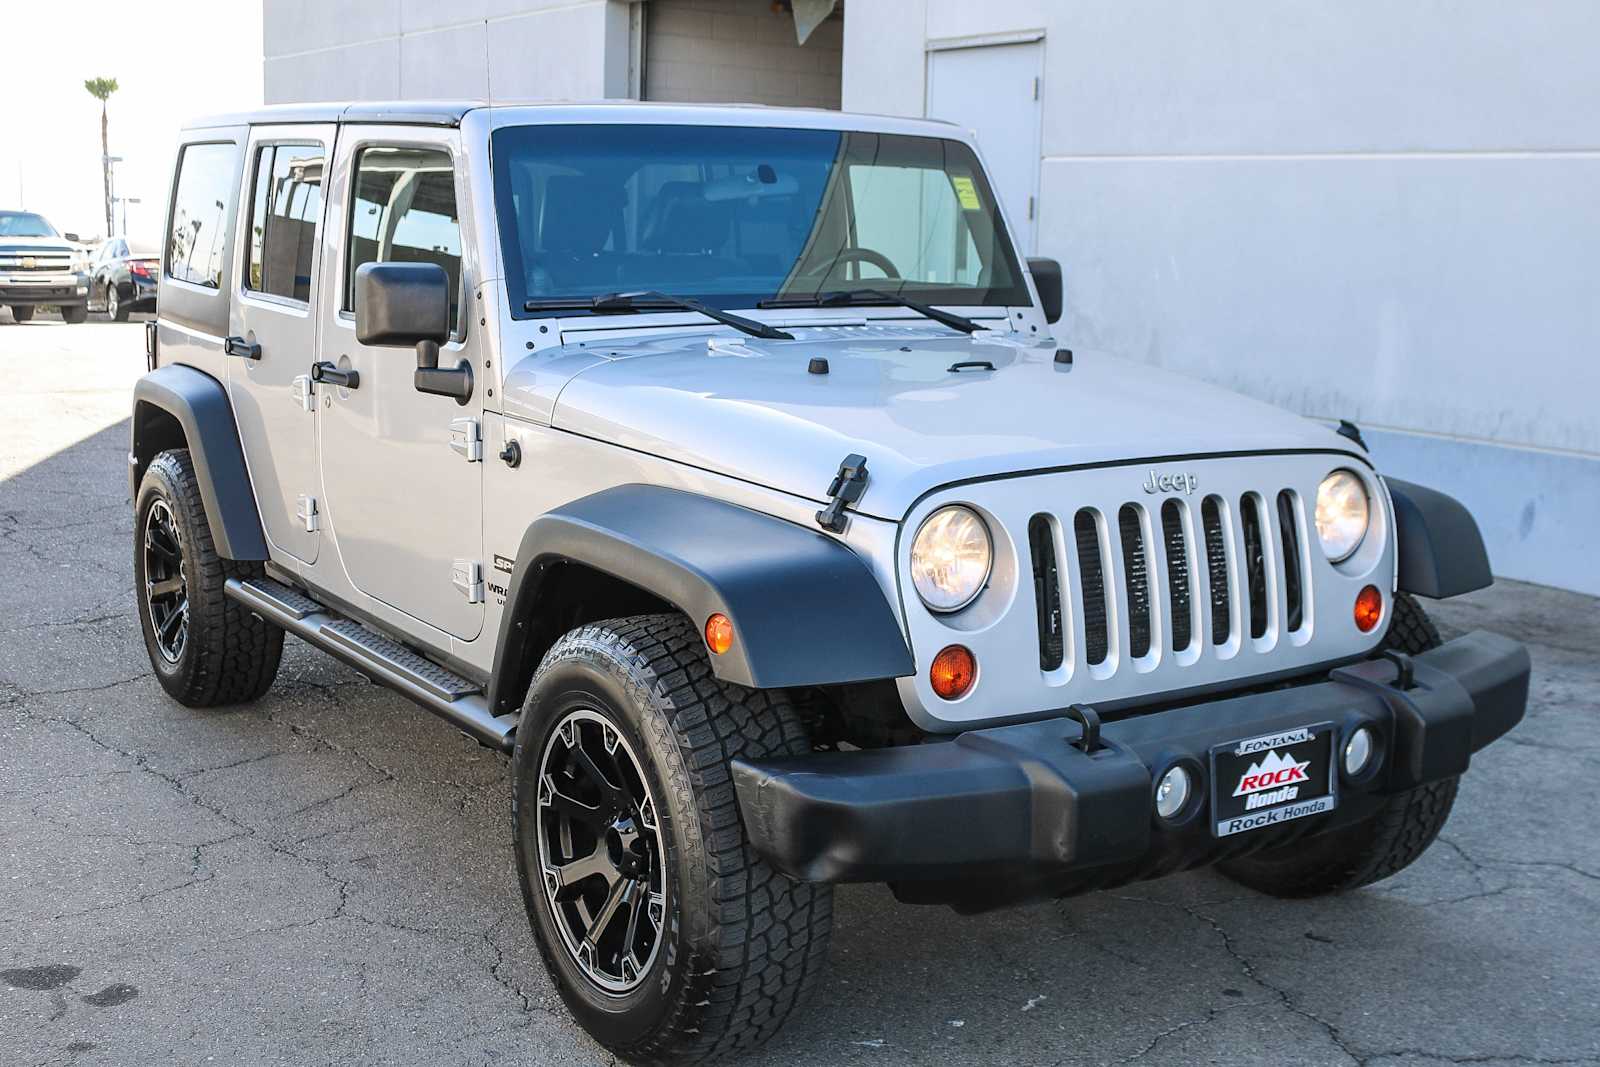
111	191
125	201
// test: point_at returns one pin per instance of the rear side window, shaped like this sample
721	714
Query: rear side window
404	211
201	208
285	204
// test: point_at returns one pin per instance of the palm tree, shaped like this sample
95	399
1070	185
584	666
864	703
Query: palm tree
101	89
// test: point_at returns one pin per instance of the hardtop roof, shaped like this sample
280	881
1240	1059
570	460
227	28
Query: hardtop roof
452	112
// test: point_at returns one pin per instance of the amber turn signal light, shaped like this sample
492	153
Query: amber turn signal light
719	633
953	672
1369	608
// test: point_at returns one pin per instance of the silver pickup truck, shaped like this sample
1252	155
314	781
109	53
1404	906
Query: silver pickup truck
39	265
730	470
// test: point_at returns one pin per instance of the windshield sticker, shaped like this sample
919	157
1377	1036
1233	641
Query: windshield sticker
966	192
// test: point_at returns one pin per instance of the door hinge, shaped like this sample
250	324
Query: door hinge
1036	87
306	511
466	439
467	576
1030	208
305	393
846	488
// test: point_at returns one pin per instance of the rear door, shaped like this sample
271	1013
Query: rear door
275	291
403	470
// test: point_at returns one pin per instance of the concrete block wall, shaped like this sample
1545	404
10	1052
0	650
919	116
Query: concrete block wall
738	51
1350	208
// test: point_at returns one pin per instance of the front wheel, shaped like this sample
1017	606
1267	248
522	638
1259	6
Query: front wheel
75	313
22	312
114	305
667	936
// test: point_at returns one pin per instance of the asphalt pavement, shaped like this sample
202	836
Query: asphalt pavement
326	876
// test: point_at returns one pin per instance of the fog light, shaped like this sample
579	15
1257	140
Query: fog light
1358	751
953	672
1172	794
1369	608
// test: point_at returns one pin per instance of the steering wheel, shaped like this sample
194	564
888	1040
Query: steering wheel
850	255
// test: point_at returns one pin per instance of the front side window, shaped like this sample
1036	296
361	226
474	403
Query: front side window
284	208
201	208
404	211
735	216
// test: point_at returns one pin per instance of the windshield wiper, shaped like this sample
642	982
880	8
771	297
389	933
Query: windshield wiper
609	303
867	297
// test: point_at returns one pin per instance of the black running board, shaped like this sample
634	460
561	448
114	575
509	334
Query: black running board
453	698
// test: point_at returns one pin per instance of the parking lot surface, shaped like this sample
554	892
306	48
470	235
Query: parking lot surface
327	876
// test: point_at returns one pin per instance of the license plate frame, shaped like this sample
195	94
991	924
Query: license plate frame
1296	766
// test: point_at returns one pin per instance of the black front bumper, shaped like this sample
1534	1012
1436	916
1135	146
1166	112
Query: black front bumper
999	816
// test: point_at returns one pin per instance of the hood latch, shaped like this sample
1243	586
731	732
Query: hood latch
846	488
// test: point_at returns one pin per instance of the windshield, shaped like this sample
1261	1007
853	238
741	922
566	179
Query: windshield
25	224
733	216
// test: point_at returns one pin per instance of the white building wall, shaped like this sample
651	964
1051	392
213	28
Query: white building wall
419	49
1353	209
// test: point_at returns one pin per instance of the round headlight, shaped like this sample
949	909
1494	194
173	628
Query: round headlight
1342	514
950	558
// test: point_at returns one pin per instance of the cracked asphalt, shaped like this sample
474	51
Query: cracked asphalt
326	876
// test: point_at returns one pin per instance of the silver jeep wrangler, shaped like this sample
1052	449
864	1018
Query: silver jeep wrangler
723	466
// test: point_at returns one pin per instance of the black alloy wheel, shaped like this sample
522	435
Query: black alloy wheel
600	850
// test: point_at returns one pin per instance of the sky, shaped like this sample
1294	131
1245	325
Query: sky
172	59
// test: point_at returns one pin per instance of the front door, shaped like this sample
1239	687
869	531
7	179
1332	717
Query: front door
276	330
995	90
401	470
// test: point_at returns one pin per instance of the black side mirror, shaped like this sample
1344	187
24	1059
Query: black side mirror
1047	279
400	304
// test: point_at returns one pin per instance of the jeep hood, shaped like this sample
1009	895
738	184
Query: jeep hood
751	409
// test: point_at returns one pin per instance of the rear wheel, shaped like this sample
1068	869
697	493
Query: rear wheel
1369	851
22	312
206	648
667	936
114	305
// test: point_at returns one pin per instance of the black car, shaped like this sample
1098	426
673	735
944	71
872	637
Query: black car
122	277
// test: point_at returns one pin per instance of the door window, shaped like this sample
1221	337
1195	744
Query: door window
404	211
201	209
284	208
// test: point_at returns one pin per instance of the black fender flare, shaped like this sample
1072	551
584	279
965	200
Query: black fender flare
806	610
199	404
1440	550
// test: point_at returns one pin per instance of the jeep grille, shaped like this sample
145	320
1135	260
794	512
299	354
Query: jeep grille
1269	537
1110	592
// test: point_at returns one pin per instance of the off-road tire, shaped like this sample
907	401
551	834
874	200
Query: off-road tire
1376	848
743	944
229	656
75	314
22	312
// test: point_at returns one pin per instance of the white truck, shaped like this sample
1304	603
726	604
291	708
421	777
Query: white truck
726	468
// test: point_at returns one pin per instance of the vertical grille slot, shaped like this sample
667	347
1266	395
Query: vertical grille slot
1136	579
1293	562
1091	573
1177	574
1216	569
1046	591
1255	565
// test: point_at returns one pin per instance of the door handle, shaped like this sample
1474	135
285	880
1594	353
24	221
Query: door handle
330	373
238	346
